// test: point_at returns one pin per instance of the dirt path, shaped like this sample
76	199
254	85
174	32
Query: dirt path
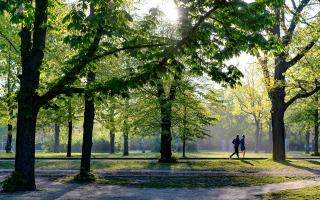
48	190
174	173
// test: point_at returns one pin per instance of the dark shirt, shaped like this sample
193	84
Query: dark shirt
236	142
242	143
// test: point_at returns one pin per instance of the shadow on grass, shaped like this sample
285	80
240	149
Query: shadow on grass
290	164
314	162
246	162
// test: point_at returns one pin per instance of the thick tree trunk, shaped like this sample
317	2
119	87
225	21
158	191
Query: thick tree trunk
316	129
278	134
25	143
69	139
87	131
308	142
56	138
277	97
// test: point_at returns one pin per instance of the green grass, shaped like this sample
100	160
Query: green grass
216	165
138	154
193	182
306	193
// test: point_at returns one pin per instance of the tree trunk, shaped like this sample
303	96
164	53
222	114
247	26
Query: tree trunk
112	138
270	136
70	116
112	129
278	130
87	130
126	143
69	139
143	150
126	130
166	120
56	138
184	146
184	132
10	103
316	129
277	96
308	142
257	136
25	143
9	139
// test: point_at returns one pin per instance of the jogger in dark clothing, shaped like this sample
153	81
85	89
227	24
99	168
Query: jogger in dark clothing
236	143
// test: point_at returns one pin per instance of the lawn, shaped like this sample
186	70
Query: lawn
138	154
219	165
193	182
306	193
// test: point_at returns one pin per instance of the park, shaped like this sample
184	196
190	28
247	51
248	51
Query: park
159	99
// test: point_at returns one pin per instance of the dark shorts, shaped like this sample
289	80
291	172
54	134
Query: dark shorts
243	148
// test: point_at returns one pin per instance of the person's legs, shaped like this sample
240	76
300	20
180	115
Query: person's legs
243	153
237	152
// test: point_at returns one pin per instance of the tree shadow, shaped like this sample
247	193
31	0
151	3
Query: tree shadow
246	162
314	162
290	164
48	188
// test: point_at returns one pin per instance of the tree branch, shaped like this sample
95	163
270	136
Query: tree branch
9	41
294	4
298	10
301	54
303	94
114	51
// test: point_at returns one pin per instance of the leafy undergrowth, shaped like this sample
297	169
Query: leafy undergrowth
306	193
193	182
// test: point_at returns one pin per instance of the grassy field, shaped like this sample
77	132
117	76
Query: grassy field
307	193
138	154
193	182
219	165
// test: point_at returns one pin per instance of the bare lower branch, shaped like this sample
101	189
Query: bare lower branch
303	94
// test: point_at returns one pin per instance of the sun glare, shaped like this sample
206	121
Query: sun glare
170	10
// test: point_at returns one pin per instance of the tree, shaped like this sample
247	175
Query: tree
9	70
285	58
33	20
191	115
201	47
251	97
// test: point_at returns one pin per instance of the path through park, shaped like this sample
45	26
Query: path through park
49	189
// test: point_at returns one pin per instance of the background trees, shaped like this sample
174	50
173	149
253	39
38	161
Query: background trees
139	74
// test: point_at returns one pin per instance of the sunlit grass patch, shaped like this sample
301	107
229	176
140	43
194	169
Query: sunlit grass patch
306	193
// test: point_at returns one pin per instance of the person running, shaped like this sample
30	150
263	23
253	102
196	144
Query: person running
243	146
236	143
